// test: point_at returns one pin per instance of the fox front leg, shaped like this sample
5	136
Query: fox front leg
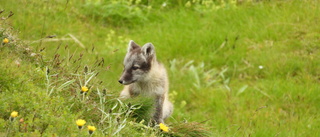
157	117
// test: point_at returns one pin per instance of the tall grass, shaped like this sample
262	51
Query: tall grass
243	69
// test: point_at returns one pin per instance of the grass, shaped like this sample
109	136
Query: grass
245	70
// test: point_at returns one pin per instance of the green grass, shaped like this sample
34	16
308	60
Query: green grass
212	56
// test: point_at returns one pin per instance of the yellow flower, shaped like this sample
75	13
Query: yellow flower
5	41
80	122
91	129
14	114
163	127
84	89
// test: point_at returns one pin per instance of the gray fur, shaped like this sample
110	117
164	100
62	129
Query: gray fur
144	75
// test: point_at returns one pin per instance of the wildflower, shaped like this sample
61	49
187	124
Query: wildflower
91	129
80	123
260	67
84	89
5	41
14	114
164	4
163	127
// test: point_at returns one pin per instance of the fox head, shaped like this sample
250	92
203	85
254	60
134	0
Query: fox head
137	63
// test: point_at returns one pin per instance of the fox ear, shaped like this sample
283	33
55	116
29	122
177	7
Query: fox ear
148	49
132	46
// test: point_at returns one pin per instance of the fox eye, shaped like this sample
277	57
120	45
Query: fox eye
135	67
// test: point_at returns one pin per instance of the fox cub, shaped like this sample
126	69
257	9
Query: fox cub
144	75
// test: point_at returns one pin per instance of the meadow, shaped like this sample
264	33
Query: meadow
236	68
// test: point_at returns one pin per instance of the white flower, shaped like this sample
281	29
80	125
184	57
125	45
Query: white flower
260	67
164	4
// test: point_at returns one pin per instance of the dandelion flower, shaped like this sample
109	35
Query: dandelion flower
14	114
80	123
5	41
163	127
84	89
91	129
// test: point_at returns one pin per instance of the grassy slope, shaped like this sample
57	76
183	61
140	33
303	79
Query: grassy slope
280	36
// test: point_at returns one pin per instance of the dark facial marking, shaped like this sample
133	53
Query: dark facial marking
128	75
145	66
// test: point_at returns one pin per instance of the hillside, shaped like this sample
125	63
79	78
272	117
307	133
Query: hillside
236	68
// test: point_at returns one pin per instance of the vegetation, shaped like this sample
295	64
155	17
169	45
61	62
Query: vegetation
236	68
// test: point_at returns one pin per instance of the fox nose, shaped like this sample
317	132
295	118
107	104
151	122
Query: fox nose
120	81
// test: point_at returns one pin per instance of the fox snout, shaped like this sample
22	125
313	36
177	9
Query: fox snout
120	81
126	78
123	82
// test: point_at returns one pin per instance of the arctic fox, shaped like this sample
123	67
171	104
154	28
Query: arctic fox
144	75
